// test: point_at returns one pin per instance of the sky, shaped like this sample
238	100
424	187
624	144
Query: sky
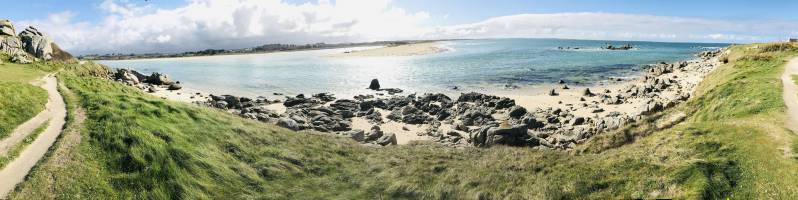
139	26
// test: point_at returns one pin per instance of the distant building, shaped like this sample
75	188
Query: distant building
793	40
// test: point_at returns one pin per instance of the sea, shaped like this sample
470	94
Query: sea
482	65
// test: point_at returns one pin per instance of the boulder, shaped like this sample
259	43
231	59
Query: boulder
553	92
36	43
9	42
577	121
10	45
357	135
517	112
288	123
504	103
375	84
587	92
126	76
159	79
488	136
175	86
387	139
374	134
7	28
20	58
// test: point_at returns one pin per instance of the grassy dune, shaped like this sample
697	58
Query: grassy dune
19	101
135	146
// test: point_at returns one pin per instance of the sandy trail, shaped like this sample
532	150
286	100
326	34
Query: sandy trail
17	169
790	95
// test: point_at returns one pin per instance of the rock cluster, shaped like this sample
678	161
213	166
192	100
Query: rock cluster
36	43
473	119
151	83
28	45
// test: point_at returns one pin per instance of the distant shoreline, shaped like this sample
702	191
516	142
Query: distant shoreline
412	49
250	52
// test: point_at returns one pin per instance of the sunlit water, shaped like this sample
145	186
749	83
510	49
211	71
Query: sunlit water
470	65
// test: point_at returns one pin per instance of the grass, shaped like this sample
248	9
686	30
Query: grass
135	146
17	149
20	101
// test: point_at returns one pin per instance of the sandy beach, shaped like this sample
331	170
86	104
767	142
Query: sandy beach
414	49
572	99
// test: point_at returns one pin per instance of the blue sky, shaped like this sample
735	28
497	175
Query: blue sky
469	11
122	25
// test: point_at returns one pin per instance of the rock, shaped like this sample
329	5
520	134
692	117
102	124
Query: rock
488	136
565	87
126	76
650	107
10	45
375	84
374	134
152	89
392	91
517	112
357	135
36	43
175	86
324	97
553	92
561	81
387	139
159	79
9	42
511	87
7	28
288	123
587	92
577	121
299	100
504	103
21	59
532	123
221	104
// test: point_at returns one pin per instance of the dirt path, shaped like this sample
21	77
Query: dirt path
790	95
17	169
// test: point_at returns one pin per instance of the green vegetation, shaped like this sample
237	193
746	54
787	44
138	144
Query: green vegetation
19	100
731	145
17	149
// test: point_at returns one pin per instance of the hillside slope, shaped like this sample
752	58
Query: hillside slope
126	144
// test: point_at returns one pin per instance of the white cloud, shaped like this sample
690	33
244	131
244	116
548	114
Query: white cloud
621	27
202	24
231	24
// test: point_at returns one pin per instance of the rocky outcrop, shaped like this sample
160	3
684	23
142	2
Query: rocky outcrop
31	42
9	43
36	43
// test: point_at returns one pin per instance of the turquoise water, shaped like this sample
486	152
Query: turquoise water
469	65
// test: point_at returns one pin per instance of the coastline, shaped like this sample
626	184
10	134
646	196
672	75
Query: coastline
413	49
354	46
565	117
